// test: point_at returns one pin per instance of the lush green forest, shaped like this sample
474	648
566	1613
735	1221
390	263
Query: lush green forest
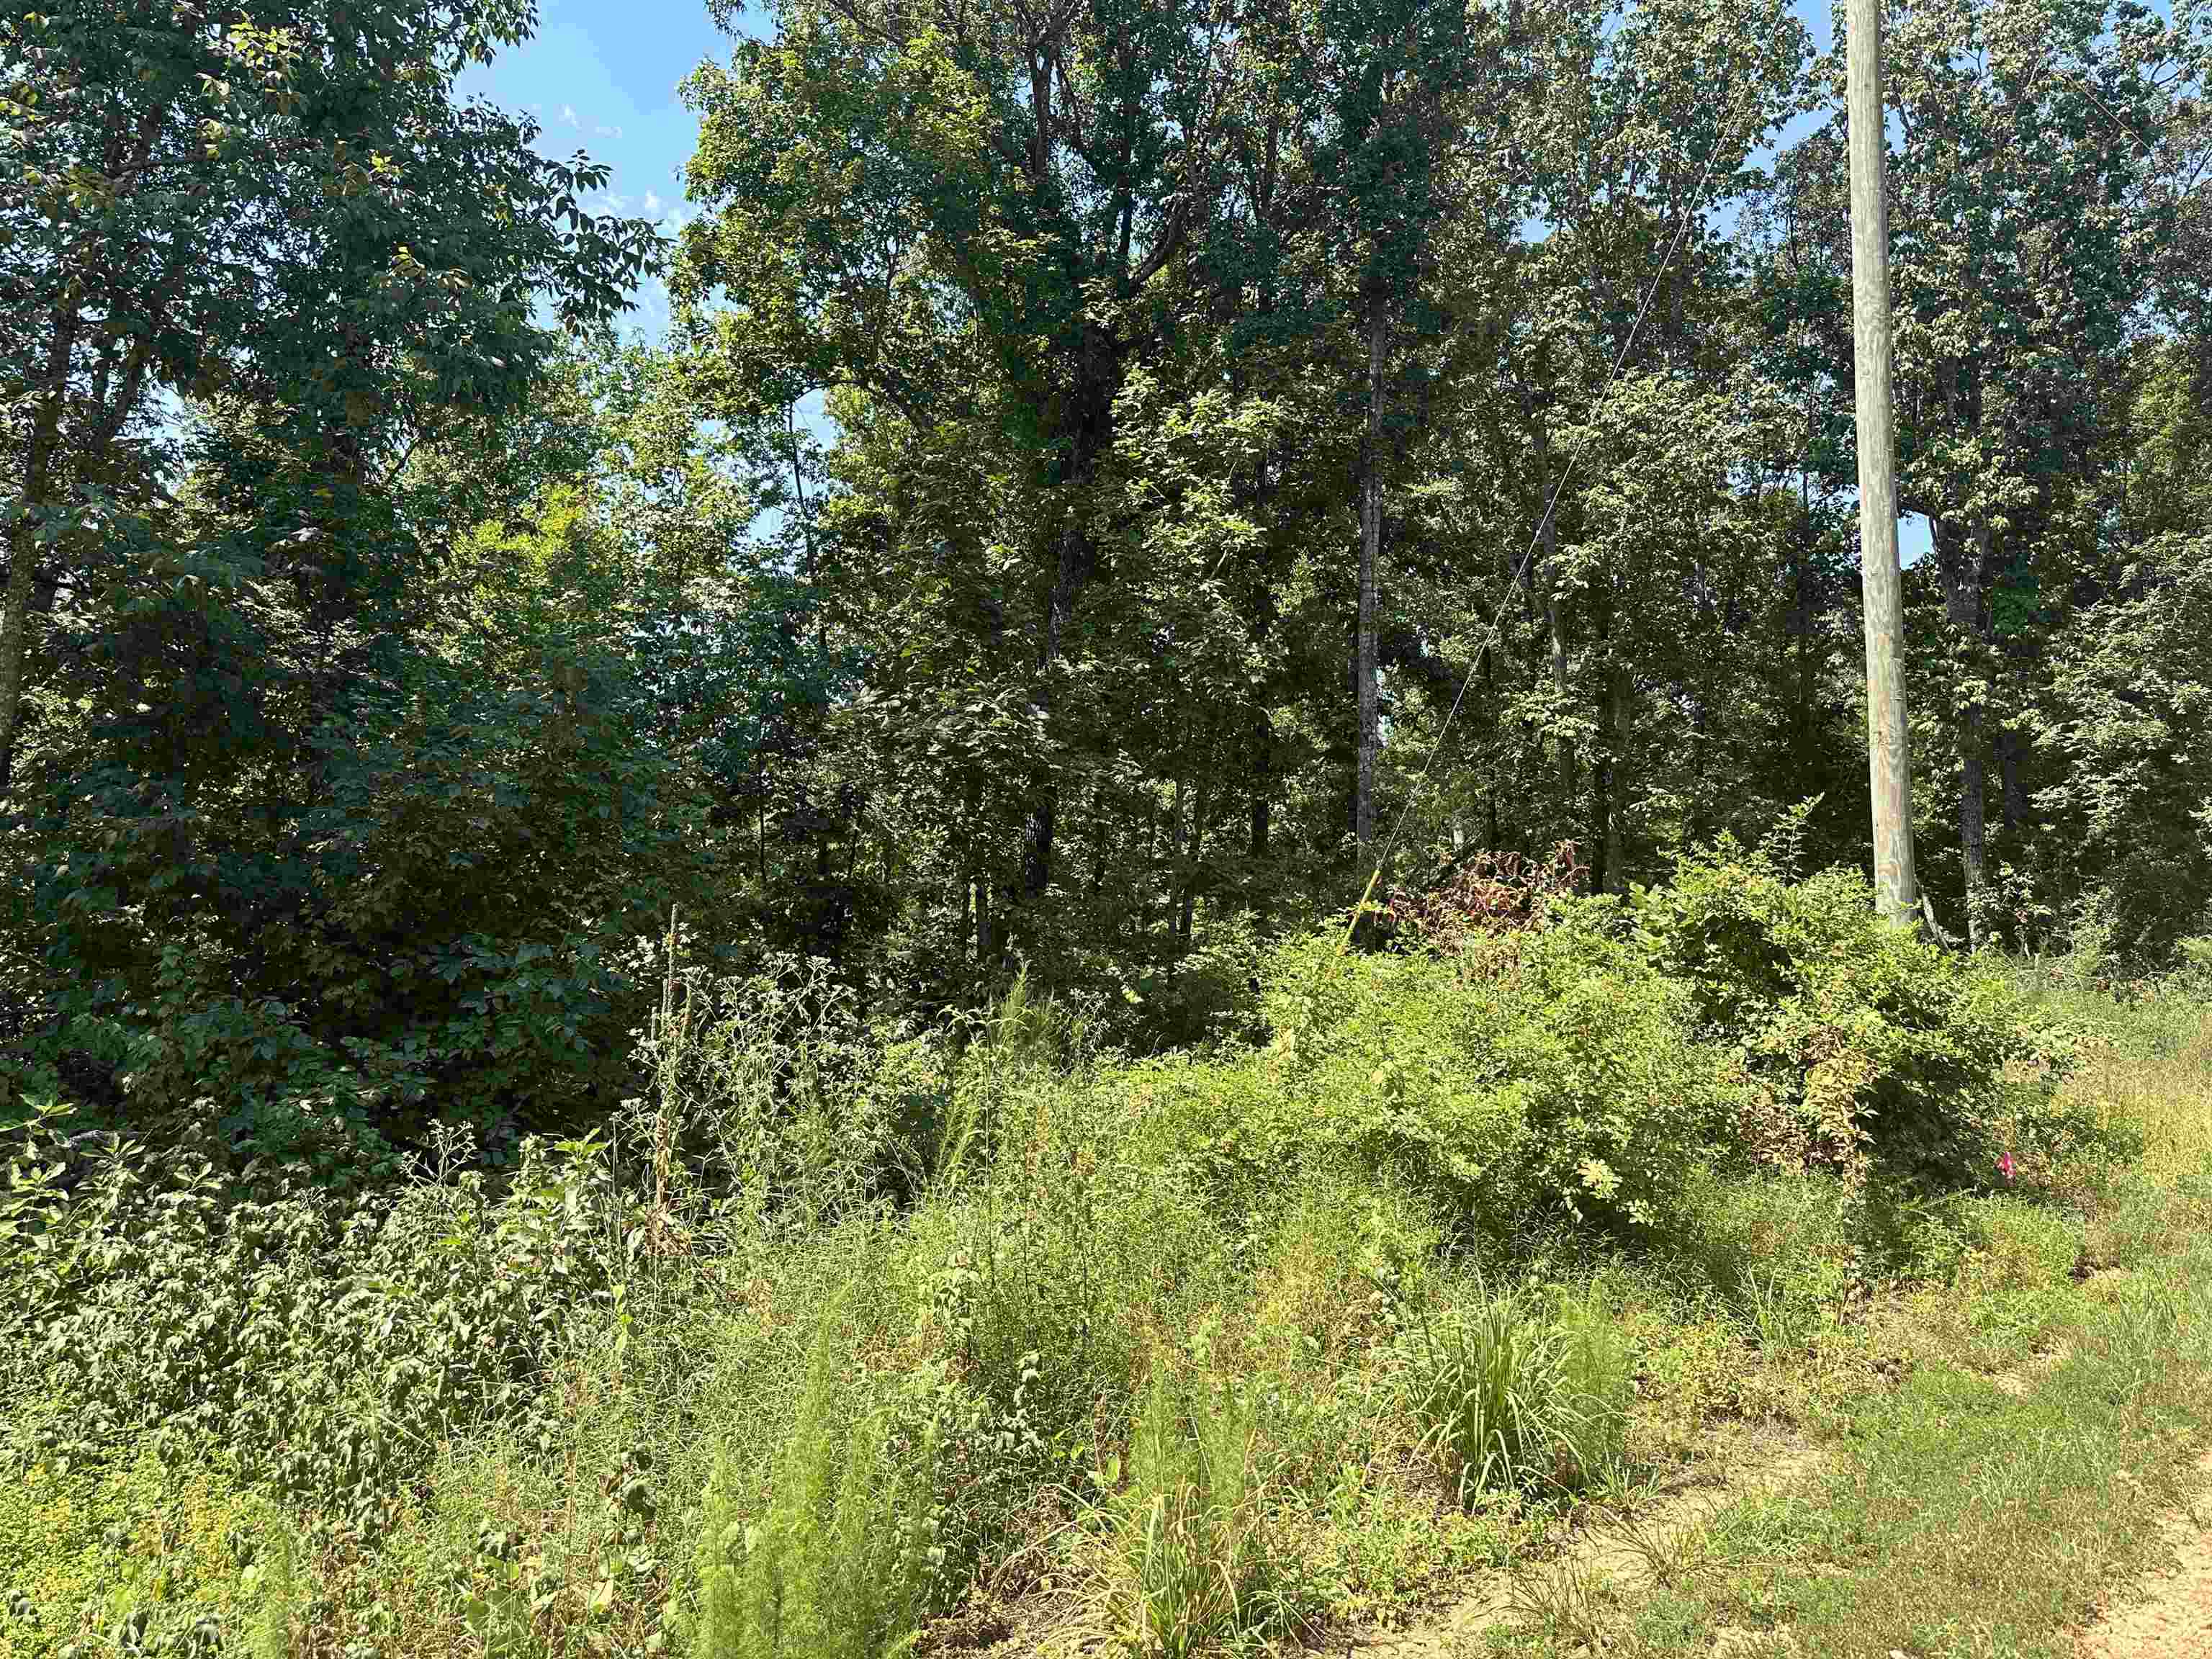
712	990
388	648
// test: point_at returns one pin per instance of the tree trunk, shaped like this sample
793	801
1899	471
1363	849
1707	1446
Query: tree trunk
1555	621
1962	602
1601	819
1618	693
1371	548
1972	832
1190	866
2011	747
1088	439
1171	872
976	885
1801	584
14	634
22	536
1263	764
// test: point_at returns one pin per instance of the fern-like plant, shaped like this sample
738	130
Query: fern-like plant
836	1565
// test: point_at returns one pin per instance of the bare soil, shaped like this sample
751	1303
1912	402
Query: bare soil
2170	1616
1615	1556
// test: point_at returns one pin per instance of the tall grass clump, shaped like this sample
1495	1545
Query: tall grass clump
1188	1567
837	1563
1597	1371
1510	1397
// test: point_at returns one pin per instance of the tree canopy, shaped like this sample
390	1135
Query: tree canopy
1111	463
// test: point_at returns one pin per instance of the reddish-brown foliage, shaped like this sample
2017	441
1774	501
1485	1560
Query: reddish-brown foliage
1486	892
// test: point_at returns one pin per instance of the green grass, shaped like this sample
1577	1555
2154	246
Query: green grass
1959	1520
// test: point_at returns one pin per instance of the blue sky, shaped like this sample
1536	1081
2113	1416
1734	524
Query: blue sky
600	75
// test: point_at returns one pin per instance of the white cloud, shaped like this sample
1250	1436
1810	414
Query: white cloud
607	132
652	205
568	113
617	204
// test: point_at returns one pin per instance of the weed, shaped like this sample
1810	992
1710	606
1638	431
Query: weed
1567	1601
1509	1399
1781	1248
836	1564
1188	1565
1596	1384
1671	1553
829	1312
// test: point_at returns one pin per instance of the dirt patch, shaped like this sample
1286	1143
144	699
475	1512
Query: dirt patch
2172	1619
1655	1543
2022	1382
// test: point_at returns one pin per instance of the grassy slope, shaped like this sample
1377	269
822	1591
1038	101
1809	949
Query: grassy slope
1969	1513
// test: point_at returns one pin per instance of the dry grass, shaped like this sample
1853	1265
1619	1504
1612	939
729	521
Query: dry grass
2166	1090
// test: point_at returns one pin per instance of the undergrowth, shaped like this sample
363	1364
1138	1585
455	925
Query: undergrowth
833	1340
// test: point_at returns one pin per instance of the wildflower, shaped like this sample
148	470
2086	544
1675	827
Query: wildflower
2004	1165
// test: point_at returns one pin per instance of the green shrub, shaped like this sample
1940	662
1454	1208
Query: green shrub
1550	1074
1622	1100
320	1348
2192	978
1586	1065
1861	1037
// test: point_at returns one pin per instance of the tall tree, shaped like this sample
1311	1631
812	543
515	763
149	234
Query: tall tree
1385	91
282	219
242	202
883	181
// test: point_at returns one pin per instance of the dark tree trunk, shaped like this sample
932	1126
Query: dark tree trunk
1961	566
1555	619
22	536
1089	434
1191	865
1370	550
2012	748
1263	767
1618	693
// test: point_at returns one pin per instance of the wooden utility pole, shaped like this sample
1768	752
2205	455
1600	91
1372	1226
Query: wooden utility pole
1889	760
1371	555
